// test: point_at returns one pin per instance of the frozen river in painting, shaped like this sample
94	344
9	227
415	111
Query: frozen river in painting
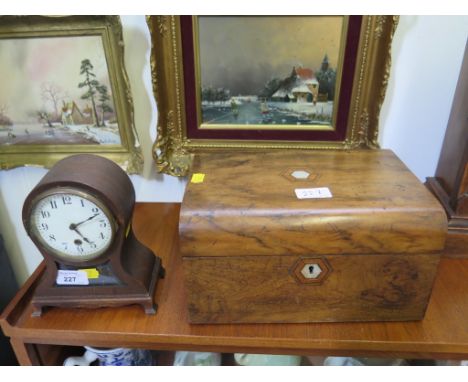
271	113
38	134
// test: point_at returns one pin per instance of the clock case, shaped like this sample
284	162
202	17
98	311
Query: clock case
132	270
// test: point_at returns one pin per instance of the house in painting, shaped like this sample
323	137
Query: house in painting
308	86
72	115
302	93
283	95
300	86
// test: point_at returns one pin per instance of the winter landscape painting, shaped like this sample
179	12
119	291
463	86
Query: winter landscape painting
268	71
56	91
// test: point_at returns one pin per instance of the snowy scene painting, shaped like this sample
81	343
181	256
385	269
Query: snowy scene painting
274	71
56	91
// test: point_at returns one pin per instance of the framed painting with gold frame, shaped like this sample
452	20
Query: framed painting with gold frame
267	82
65	91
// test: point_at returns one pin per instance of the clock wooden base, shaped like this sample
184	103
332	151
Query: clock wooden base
131	281
456	244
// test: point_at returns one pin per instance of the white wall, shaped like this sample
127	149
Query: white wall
427	54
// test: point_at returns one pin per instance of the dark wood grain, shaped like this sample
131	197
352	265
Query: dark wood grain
442	334
378	206
260	289
242	230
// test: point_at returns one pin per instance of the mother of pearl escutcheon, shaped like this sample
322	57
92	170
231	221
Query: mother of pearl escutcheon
311	270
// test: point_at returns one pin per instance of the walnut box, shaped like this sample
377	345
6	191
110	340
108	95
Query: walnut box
308	236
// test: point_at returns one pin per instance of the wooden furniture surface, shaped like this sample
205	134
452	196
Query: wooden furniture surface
442	334
251	248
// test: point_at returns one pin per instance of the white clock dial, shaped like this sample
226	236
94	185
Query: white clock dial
72	225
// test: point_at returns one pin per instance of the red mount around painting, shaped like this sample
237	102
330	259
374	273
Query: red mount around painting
339	134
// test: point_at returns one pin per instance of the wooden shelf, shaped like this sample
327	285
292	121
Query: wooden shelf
443	334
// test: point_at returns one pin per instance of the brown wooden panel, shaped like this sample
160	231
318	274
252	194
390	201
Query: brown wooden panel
451	168
247	205
26	354
265	289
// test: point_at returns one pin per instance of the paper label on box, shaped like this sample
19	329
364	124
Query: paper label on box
313	193
66	277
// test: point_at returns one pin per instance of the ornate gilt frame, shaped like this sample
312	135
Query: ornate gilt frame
128	154
172	149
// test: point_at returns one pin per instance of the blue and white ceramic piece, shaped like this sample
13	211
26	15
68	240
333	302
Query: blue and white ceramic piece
112	357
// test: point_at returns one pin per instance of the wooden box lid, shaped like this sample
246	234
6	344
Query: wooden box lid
246	204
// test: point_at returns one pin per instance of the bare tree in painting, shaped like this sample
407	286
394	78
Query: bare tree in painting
91	84
52	93
4	119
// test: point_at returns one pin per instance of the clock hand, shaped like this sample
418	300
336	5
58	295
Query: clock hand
73	225
79	233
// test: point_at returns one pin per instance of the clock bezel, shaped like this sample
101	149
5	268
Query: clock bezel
57	254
